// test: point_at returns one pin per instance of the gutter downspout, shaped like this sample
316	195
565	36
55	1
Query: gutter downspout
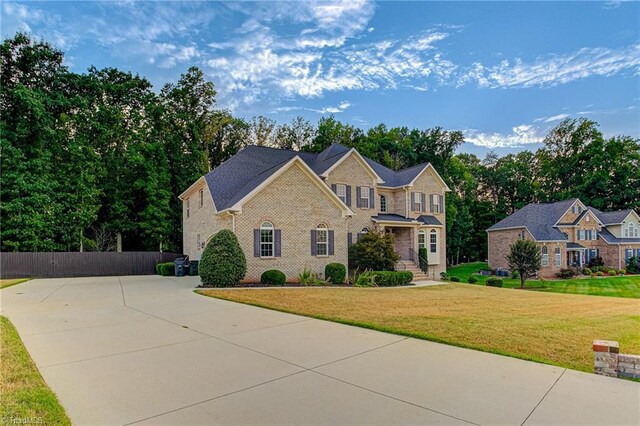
233	221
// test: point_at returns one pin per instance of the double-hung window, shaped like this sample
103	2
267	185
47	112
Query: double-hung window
364	197
630	231
341	192
433	241
266	239
383	204
200	198
417	201
421	240
322	240
558	257
594	234
581	234
545	256
436	203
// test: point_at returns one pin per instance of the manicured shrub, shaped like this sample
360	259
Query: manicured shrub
223	263
622	271
633	267
166	269
472	280
565	273
335	272
444	276
308	277
384	279
599	274
375	251
454	279
595	261
494	282
587	271
612	272
273	277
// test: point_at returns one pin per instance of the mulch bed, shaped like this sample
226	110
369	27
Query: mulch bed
257	285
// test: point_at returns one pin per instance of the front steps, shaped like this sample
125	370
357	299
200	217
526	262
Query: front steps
407	265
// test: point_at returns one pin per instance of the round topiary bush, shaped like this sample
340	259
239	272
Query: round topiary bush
454	279
273	277
494	282
472	280
223	263
335	272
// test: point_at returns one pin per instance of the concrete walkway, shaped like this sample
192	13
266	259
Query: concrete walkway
148	350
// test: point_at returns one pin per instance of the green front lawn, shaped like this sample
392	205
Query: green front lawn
552	328
625	286
25	398
9	283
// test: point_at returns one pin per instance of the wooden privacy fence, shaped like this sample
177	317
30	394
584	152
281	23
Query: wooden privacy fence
76	264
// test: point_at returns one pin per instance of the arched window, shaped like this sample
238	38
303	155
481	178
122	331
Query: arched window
322	240
545	256
266	239
433	241
558	259
631	230
422	243
383	203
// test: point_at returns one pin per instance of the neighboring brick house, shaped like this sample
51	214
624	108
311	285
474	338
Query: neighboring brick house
294	210
568	234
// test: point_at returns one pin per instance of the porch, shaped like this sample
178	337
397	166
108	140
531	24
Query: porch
575	255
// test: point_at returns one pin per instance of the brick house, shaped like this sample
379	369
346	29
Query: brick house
568	233
292	210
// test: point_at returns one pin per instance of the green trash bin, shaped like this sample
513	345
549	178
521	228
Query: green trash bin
193	268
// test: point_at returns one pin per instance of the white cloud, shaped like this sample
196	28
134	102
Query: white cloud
524	134
555	69
553	118
325	110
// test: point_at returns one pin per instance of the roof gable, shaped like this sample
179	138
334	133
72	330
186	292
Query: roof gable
352	153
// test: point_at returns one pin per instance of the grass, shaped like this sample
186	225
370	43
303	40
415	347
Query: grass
557	329
24	396
9	283
624	286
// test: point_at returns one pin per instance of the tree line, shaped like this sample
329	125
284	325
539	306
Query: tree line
96	161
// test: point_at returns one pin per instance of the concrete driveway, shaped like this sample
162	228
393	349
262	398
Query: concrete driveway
124	350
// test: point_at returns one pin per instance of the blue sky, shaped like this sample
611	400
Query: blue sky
502	72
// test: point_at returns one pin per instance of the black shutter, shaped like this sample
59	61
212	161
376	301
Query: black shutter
277	243
314	246
349	239
334	188
423	201
358	197
348	195
331	242
256	243
431	203
372	202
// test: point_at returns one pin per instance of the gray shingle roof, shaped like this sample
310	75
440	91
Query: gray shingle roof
393	218
612	239
539	219
429	220
240	174
574	246
611	218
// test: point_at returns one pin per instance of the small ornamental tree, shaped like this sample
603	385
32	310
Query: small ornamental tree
374	251
223	263
524	257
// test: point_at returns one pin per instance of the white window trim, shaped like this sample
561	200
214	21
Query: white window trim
558	256
432	234
341	192
417	201
322	228
424	239
200	198
364	195
272	243
383	205
544	251
436	203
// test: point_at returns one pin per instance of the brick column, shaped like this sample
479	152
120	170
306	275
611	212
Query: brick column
605	357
